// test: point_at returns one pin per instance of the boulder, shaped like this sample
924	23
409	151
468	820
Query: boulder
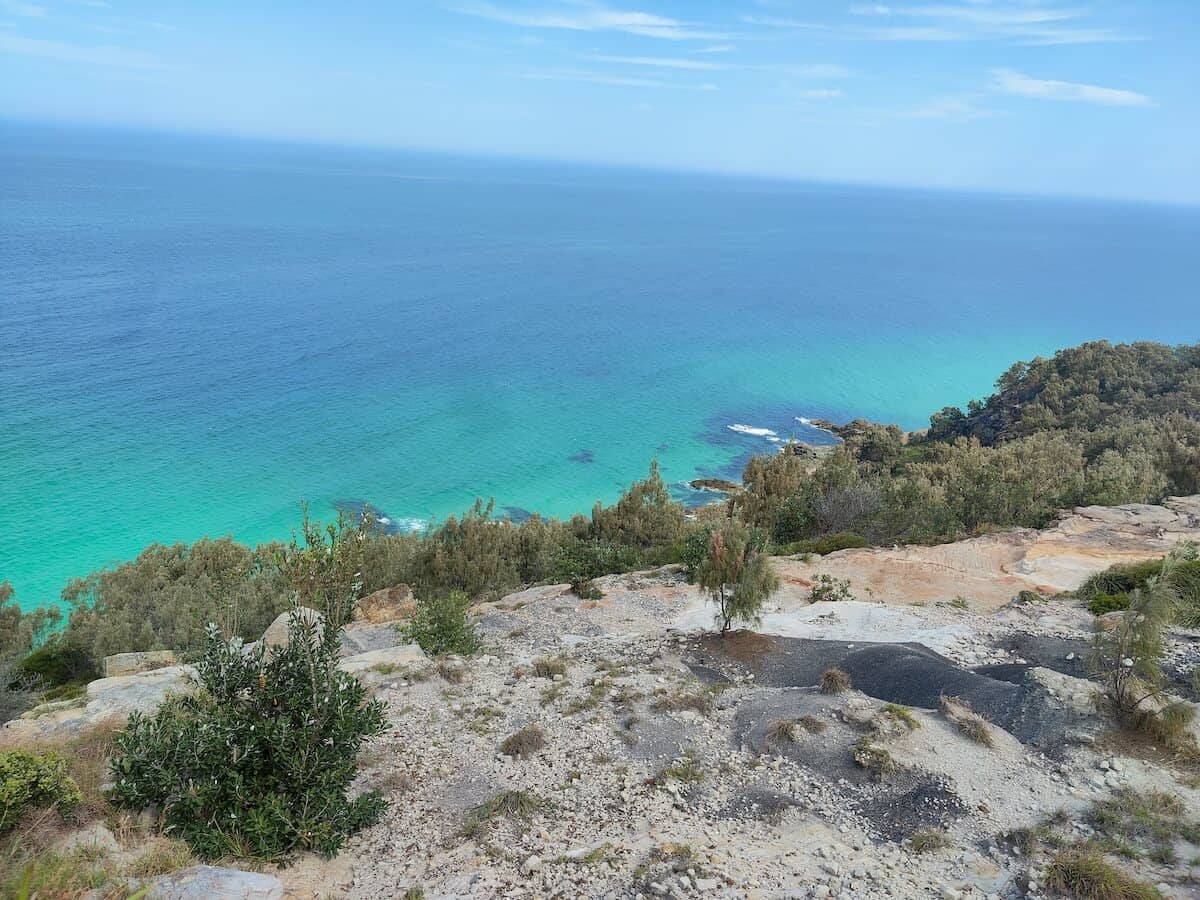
276	634
107	699
388	605
362	638
132	663
397	657
214	883
95	839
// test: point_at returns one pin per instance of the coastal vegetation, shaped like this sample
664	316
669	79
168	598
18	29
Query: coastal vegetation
1099	423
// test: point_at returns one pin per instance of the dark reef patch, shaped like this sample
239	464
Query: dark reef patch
583	457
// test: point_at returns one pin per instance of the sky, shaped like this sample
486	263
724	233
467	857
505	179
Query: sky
1093	98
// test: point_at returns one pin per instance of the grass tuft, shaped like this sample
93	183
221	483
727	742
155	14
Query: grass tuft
834	681
524	743
1083	873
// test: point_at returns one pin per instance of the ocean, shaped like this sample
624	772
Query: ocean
197	334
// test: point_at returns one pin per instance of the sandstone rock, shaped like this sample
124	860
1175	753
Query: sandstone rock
93	839
362	638
213	883
132	663
388	605
107	699
276	634
398	657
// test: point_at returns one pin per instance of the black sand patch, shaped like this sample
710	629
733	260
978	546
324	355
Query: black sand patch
909	674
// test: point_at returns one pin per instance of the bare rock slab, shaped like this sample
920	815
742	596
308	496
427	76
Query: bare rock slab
214	883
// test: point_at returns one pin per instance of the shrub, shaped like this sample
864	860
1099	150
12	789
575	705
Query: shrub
829	589
441	624
974	726
31	780
325	571
524	743
874	759
644	516
549	667
1082	872
258	763
58	662
928	840
830	543
1106	603
737	574
161	599
580	561
834	681
518	806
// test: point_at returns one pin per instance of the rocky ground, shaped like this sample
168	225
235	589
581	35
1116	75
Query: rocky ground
618	748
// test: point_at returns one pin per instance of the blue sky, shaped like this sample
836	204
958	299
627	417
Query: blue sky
1086	97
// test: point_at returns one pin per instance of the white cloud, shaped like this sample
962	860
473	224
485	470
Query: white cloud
602	78
28	10
975	20
819	94
954	109
660	62
590	17
59	51
716	48
1008	81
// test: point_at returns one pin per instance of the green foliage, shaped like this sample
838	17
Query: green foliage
1106	603
826	588
1083	872
21	631
324	564
644	517
259	761
830	543
737	574
31	780
58	662
580	561
442	625
1080	388
162	599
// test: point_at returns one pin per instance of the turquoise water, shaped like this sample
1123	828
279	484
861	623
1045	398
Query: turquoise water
196	335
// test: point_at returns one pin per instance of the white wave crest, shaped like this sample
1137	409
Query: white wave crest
756	432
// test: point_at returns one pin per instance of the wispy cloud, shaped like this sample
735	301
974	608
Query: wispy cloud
1008	81
587	16
815	70
60	51
603	78
28	10
974	20
716	48
953	109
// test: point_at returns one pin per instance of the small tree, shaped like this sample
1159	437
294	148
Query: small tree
737	574
326	570
1129	658
441	625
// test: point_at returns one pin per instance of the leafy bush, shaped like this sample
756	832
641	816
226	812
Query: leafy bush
580	561
259	761
21	631
826	588
441	625
830	543
30	780
161	599
1106	603
58	662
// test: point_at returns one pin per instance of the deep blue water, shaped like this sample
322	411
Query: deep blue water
197	334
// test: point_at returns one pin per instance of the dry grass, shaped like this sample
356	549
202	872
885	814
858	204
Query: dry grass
1083	873
874	759
451	672
700	701
781	733
518	806
834	681
902	715
548	667
812	724
974	726
927	840
524	743
161	858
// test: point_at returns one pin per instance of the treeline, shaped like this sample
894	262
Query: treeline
1097	424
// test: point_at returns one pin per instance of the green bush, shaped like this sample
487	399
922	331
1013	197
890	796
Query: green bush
826	588
1106	603
441	625
30	780
581	561
58	662
830	543
737	574
259	761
